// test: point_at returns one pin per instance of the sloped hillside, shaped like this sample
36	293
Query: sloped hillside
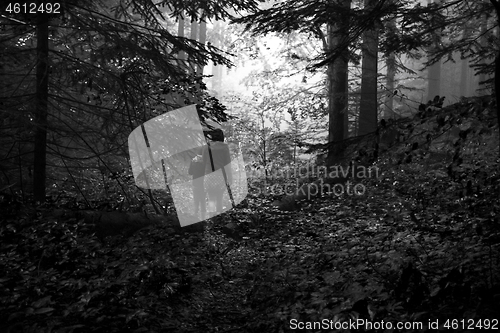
420	247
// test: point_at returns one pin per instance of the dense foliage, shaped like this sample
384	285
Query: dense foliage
415	240
111	66
421	243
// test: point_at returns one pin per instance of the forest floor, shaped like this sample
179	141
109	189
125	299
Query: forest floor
419	248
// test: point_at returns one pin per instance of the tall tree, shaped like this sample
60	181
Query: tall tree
296	131
194	36
180	33
41	98
203	39
342	29
111	66
338	34
496	5
452	29
464	72
314	17
369	93
434	70
390	61
217	71
484	43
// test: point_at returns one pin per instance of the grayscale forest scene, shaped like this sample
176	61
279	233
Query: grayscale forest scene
249	166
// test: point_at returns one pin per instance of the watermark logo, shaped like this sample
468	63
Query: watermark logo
336	181
205	179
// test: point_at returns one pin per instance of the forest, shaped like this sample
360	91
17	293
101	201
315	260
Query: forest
343	156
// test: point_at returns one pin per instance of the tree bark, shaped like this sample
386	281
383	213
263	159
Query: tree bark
41	98
193	36
497	81
390	78
180	33
337	87
496	4
203	39
484	43
369	101
434	78
217	69
466	80
434	72
264	140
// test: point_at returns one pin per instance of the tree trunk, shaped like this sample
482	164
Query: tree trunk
391	86
337	87
482	91
496	4
434	78
203	39
466	80
346	114
42	95
390	80
434	72
193	36
264	146
180	33
497	83
217	70
295	144
369	101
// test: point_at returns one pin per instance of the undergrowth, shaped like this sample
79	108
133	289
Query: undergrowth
420	245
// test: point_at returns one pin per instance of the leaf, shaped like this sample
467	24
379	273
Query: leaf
43	310
138	313
69	329
332	277
42	302
440	174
